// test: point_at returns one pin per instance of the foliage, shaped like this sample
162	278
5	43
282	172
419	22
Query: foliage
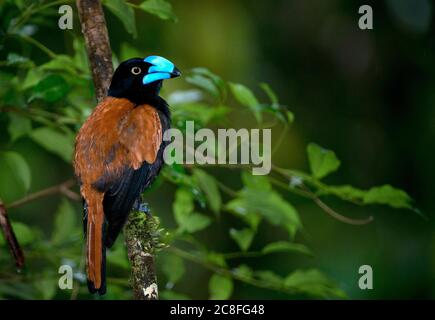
47	100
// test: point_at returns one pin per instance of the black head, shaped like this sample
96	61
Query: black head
140	80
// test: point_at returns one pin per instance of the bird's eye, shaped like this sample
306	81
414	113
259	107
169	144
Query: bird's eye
136	70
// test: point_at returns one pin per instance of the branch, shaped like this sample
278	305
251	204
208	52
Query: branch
62	188
137	233
5	223
10	237
139	240
97	44
308	193
338	216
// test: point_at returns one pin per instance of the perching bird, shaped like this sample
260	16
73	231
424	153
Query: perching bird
118	154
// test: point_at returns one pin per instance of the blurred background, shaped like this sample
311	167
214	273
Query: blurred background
366	94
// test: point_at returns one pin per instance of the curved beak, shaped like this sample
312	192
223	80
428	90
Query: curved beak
175	73
160	69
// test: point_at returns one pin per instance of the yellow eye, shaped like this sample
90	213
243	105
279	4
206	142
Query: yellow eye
136	70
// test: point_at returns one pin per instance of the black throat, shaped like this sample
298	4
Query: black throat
148	94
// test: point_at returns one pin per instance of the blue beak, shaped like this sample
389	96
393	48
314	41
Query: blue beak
160	69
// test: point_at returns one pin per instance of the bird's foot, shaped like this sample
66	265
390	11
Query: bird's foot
141	206
144	208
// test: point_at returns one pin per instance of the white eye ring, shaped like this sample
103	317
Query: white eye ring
136	70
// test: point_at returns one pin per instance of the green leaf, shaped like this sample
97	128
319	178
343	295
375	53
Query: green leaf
345	192
183	204
60	63
177	174
64	223
285	246
290	117
204	83
195	222
385	194
246	98
218	82
268	204
313	282
220	287
34	75
15	176
188	220
242	237
55	142
388	195
51	89
216	258
18	126
244	95
124	13
322	161
279	111
173	268
270	93
269	276
25	235
238	207
256	182
209	186
243	271
159	8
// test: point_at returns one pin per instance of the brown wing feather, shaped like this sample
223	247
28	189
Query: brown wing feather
116	135
97	141
141	134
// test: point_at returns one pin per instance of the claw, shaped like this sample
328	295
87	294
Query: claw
143	207
136	205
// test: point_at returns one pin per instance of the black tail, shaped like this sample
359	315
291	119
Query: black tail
120	198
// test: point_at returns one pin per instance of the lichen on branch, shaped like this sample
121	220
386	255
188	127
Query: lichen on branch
142	238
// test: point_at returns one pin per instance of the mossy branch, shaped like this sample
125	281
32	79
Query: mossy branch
141	239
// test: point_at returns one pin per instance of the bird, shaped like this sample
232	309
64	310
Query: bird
119	153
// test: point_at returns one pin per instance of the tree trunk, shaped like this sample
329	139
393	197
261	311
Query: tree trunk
97	44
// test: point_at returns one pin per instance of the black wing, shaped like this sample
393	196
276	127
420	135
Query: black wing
120	198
